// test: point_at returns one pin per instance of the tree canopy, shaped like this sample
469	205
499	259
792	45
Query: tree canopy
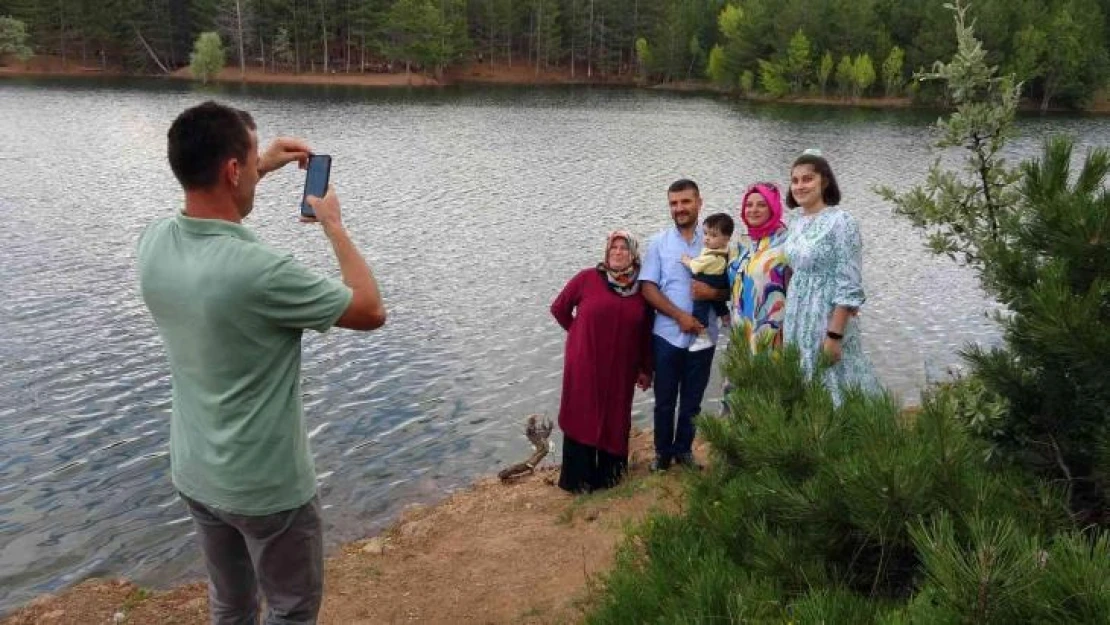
1058	48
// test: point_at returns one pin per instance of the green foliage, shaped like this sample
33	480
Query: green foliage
724	66
424	32
772	79
1059	47
892	72
282	50
715	68
14	38
824	72
845	75
747	82
643	56
1039	239
863	74
962	211
796	65
1051	268
207	58
857	513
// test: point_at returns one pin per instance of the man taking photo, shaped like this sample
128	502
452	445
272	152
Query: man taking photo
231	311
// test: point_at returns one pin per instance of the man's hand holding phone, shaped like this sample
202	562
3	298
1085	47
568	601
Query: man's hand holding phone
326	209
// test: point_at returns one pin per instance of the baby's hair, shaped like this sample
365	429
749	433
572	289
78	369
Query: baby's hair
720	222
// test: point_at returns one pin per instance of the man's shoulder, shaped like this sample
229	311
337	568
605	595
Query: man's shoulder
155	228
659	237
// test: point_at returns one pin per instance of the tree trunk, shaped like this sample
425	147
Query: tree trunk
149	50
239	27
635	28
324	34
509	35
348	28
62	30
573	33
539	37
590	44
296	42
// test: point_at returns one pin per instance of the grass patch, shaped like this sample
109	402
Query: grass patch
133	600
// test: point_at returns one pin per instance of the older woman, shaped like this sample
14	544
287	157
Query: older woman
826	291
758	271
608	354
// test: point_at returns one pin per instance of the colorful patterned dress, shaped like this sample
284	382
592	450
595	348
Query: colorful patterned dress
757	273
825	252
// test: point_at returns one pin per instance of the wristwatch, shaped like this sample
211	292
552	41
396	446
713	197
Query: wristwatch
836	336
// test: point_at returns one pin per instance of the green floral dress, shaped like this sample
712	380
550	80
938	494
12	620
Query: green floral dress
825	252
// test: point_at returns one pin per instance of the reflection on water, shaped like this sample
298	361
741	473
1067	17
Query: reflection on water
473	207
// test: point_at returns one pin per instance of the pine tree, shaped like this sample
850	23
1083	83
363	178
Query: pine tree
1039	239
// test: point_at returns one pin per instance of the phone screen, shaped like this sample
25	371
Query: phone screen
316	182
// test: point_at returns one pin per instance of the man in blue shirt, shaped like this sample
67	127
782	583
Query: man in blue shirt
681	375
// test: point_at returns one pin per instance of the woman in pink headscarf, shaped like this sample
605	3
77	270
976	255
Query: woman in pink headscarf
758	271
608	354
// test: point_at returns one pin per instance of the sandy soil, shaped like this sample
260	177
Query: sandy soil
520	553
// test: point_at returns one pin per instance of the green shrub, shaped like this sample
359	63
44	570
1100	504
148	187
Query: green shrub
860	513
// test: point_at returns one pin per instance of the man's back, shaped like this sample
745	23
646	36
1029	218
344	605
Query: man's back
231	311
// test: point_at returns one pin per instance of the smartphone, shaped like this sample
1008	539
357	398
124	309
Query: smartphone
316	182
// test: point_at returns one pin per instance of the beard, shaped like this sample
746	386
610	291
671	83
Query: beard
683	219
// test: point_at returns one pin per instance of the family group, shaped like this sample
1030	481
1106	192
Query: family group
654	319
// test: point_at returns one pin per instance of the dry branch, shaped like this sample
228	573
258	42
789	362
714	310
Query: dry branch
538	432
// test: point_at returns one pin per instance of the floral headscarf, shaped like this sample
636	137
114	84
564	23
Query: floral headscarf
770	195
623	282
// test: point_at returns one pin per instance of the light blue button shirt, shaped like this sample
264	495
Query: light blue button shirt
663	266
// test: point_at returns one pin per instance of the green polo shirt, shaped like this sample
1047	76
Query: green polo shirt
231	312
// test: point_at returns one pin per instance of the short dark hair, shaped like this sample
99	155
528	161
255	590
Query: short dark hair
683	185
201	140
831	194
720	222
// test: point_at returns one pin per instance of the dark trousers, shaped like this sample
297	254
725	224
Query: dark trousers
680	380
586	468
702	307
282	554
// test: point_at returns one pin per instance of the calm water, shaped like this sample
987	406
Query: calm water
472	206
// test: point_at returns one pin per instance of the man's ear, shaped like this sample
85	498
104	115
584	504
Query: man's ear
232	171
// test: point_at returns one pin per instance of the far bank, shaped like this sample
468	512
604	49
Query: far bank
479	74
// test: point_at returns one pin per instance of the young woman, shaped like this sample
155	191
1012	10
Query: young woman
825	253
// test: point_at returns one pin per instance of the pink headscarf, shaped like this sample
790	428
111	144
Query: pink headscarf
770	195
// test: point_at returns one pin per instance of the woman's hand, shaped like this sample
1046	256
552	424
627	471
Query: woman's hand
833	349
644	381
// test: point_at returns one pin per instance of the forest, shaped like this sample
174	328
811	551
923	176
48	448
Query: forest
834	48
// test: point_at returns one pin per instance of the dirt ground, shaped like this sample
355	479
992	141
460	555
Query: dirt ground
520	553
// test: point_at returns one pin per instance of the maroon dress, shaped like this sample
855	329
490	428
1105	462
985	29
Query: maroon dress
608	346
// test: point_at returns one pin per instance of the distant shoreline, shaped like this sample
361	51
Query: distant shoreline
52	67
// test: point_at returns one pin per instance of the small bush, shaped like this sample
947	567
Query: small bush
853	514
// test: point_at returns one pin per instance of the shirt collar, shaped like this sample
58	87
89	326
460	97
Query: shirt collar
696	241
214	227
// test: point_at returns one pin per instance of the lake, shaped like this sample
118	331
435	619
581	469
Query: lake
472	205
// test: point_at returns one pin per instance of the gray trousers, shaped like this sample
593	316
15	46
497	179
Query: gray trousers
282	554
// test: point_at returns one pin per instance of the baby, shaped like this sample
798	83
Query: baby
709	267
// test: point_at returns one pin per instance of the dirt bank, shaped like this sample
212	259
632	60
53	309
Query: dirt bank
520	553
